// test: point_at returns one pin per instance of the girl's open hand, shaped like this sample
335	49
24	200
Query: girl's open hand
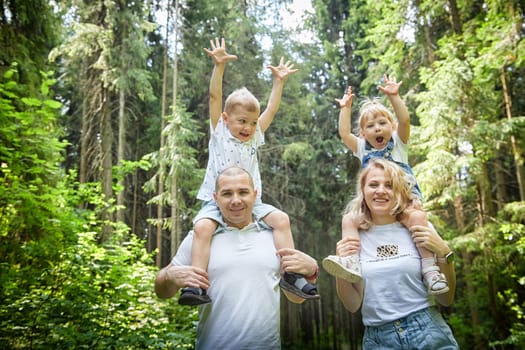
283	70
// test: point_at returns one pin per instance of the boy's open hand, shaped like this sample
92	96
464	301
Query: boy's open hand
390	87
283	70
346	101
218	52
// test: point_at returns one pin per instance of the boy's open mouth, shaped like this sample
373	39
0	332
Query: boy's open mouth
380	139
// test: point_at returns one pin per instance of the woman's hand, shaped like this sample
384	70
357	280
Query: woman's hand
426	237
348	246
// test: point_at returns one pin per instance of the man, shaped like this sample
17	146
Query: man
243	273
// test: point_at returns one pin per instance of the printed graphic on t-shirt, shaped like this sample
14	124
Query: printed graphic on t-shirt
388	250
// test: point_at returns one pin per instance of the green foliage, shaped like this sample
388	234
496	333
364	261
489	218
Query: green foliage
27	32
94	297
60	289
30	155
176	159
498	250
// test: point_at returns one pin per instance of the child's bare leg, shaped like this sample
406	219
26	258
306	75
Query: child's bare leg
434	279
282	237
347	267
349	227
200	249
282	231
200	255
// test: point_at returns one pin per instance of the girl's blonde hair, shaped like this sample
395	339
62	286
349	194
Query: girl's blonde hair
358	208
372	108
242	98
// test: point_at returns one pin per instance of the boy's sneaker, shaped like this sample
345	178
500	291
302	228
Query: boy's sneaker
298	285
435	281
193	296
347	268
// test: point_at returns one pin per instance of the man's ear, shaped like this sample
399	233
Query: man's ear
215	196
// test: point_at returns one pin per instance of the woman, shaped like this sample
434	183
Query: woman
396	311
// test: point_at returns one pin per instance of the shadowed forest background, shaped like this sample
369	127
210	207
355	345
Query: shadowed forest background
103	145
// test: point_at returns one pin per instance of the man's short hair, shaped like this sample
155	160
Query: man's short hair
232	171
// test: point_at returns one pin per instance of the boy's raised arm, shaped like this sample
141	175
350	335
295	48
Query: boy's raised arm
391	89
344	126
220	58
280	73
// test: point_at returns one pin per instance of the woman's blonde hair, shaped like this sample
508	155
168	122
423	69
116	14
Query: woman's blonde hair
358	208
372	108
242	98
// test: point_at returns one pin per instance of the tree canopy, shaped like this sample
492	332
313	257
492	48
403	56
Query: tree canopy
103	142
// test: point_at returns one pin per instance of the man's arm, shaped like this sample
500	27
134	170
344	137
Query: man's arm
280	73
171	278
220	58
344	127
391	89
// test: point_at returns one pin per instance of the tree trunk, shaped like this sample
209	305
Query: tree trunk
467	263
454	16
135	198
121	152
84	141
162	141
501	189
429	46
175	222
107	164
516	151
485	207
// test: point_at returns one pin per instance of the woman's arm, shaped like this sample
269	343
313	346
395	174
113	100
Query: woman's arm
427	237
350	294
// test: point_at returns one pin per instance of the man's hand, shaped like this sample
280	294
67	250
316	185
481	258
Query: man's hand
171	278
293	260
188	276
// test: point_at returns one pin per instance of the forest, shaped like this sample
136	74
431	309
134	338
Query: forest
103	146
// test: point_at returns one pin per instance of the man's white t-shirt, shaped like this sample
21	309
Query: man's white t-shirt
244	289
225	151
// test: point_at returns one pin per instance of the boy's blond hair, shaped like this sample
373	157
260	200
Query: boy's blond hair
242	98
373	109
